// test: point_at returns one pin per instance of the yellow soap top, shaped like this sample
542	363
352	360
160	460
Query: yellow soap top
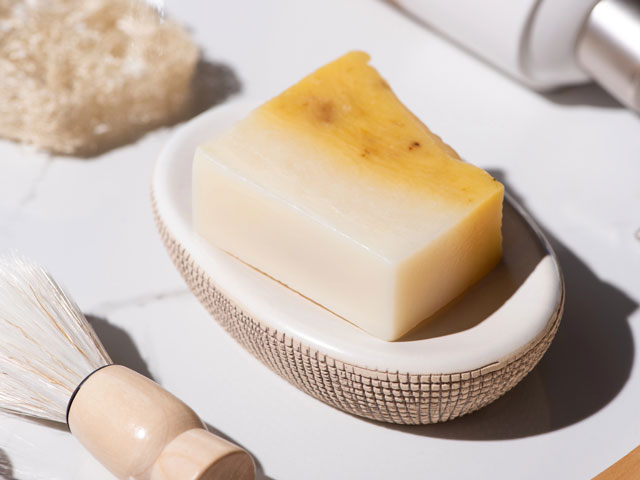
335	189
350	110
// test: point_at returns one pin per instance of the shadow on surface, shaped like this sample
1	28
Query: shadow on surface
119	345
521	255
123	351
211	85
586	366
589	94
6	467
260	475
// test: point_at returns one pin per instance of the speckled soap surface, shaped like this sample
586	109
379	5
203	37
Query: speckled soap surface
570	157
338	191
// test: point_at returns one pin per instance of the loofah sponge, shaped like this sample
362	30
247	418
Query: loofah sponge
81	76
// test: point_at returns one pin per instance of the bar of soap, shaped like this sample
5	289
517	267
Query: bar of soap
335	189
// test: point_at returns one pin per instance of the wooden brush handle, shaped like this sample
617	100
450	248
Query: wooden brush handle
627	468
140	431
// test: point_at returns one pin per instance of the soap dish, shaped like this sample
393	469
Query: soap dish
471	353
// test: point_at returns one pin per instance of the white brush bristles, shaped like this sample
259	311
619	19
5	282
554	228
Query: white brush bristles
46	345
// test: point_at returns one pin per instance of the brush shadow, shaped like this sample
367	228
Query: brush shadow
123	351
119	345
6	467
120	348
587	365
260	475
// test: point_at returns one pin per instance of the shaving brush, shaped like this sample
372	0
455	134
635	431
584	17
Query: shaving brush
53	366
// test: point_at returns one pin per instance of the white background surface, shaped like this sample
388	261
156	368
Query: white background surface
572	157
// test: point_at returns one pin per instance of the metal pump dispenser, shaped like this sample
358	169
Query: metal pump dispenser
608	49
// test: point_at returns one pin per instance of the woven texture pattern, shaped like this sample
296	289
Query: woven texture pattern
411	398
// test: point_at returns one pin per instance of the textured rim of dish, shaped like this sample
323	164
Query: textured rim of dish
398	394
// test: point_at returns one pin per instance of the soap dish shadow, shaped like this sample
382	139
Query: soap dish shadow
120	348
585	368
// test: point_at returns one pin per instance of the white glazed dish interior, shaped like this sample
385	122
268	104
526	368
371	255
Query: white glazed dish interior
502	315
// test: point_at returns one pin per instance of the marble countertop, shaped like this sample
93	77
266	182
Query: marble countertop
572	158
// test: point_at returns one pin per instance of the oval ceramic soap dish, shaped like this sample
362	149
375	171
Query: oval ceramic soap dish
471	353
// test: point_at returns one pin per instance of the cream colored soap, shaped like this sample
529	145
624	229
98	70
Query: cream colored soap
335	189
